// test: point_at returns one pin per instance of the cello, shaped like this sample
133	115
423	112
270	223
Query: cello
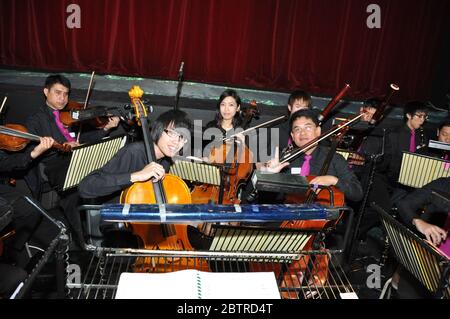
171	190
316	266
235	173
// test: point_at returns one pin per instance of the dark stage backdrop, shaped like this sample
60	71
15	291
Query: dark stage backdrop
317	45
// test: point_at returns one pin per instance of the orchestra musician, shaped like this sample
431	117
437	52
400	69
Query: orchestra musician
305	127
425	210
279	136
298	100
26	221
227	120
366	140
46	122
170	133
233	153
408	137
443	135
420	200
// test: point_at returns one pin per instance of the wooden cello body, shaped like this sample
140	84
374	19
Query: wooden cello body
153	236
237	162
316	265
171	189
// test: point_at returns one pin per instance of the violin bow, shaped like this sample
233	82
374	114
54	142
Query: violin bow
3	104
268	123
299	150
86	100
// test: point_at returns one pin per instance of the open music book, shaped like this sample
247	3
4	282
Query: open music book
194	284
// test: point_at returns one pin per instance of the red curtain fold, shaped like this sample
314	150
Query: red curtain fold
317	45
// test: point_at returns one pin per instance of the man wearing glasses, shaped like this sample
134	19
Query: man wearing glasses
169	132
305	128
409	137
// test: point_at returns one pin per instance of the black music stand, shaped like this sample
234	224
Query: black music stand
58	246
430	267
280	183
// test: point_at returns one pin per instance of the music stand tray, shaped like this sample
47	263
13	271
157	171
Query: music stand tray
280	183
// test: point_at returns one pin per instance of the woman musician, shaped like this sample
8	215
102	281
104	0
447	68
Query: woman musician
228	149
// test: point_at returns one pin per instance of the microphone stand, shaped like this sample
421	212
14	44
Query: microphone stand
180	84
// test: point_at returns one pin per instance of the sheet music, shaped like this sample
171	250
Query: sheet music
196	172
194	284
419	170
87	158
234	239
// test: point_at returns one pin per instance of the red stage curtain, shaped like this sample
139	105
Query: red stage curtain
317	45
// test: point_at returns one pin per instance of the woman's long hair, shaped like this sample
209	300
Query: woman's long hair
237	120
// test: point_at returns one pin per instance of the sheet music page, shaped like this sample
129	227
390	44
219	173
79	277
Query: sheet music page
172	285
194	284
244	285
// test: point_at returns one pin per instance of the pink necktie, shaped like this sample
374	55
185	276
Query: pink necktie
289	142
412	142
446	165
305	167
61	127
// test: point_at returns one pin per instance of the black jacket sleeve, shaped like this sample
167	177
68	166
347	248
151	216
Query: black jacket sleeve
347	180
15	161
115	175
423	198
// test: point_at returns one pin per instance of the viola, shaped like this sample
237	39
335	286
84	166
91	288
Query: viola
14	137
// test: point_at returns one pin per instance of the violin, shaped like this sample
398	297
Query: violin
14	137
68	120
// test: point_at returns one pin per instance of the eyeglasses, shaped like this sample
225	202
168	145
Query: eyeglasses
306	128
422	116
175	135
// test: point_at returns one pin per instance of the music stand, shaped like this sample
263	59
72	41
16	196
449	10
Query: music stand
430	267
418	170
280	183
87	158
196	171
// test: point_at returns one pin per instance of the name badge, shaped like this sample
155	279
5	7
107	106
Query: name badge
296	170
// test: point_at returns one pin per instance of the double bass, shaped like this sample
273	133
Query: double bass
171	189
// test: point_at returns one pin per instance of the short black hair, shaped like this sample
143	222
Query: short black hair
413	107
178	118
372	102
57	78
309	114
300	95
444	123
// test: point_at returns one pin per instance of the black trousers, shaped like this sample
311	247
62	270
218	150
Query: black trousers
10	278
28	223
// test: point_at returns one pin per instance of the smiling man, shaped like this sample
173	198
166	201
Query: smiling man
305	128
169	133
